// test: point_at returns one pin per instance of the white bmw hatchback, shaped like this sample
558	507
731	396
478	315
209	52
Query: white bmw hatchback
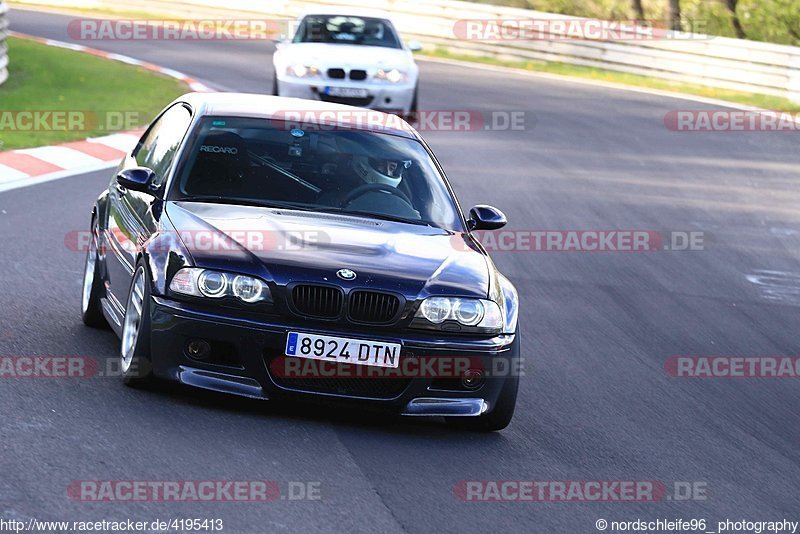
348	59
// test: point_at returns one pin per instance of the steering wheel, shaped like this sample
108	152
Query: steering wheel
362	190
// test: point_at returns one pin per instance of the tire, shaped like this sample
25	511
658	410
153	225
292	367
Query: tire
499	418
135	363
92	288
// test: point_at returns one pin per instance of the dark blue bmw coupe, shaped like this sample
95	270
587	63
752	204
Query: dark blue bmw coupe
273	248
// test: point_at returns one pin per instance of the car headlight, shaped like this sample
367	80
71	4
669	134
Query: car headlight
470	315
248	289
302	71
198	282
212	283
391	76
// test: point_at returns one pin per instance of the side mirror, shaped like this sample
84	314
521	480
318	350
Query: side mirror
280	42
483	217
137	179
414	46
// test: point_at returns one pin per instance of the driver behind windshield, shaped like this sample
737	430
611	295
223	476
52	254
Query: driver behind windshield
372	185
344	171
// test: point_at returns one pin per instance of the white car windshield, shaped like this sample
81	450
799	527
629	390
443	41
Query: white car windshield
340	170
338	29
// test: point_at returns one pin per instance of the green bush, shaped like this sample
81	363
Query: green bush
774	21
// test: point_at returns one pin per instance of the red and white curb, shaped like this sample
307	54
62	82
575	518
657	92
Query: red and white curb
29	166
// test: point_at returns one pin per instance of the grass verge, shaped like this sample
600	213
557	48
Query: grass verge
100	96
591	73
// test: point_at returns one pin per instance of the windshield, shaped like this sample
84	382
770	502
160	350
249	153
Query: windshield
338	29
349	171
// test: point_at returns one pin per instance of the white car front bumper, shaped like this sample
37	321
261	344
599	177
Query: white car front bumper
393	98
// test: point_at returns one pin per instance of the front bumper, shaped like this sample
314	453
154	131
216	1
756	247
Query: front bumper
251	347
394	98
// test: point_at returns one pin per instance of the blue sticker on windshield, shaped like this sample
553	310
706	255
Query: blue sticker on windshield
297	132
218	123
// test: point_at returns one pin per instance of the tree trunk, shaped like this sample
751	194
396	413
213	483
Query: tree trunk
737	24
675	15
638	9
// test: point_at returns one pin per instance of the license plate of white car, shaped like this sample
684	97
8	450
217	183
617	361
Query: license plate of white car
348	92
343	349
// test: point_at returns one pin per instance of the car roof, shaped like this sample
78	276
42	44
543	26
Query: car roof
346	11
310	112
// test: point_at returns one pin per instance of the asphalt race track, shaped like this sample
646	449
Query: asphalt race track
596	402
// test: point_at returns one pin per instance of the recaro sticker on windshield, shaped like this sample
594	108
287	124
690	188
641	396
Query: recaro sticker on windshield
216	149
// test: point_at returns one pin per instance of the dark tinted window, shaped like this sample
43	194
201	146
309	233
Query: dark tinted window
337	29
159	145
339	170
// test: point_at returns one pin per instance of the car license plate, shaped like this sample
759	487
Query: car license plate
348	92
343	350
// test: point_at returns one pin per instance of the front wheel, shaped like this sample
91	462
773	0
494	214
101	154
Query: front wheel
91	309
135	362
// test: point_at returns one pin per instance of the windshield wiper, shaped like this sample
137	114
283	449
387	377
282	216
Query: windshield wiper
244	201
384	217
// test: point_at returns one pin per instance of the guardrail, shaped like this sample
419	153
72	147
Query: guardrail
719	62
3	44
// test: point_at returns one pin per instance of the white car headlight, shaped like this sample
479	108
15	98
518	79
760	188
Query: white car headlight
479	313
391	76
302	71
198	282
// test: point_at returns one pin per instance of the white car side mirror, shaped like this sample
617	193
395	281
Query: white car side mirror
414	46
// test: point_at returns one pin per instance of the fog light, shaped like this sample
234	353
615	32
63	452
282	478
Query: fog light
472	379
198	349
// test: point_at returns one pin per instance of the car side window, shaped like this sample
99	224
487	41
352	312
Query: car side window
157	150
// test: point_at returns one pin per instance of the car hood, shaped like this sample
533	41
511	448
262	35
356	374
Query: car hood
288	246
345	56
